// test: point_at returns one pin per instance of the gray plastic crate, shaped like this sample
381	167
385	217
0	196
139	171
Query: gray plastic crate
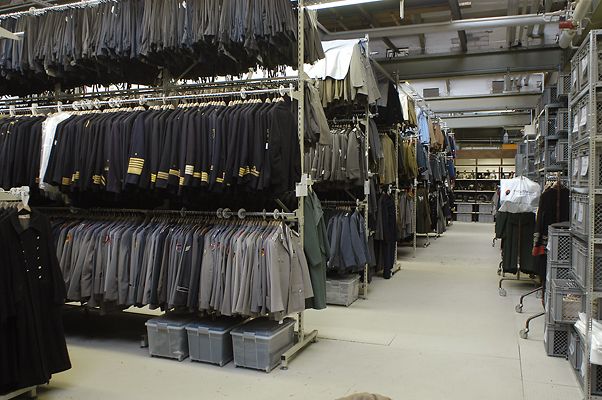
579	260
575	350
563	85
342	291
486	208
464	208
556	339
580	263
464	217
562	121
486	218
580	218
585	167
580	128
210	341
560	245
167	337
558	271
259	343
566	301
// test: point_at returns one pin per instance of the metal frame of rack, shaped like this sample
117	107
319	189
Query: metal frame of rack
588	55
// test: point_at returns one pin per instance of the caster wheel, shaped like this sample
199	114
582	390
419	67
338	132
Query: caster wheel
502	292
519	308
538	295
524	333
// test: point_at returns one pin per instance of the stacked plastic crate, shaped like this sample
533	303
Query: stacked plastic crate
552	149
586	201
525	158
563	296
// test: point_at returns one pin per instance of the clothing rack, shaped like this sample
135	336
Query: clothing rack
115	103
242	88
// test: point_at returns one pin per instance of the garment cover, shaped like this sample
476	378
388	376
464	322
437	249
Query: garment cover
519	195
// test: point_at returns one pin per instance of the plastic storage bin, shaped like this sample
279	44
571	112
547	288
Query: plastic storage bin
566	301
210	341
486	218
342	291
259	343
580	218
486	208
585	167
464	217
556	339
167	337
560	245
464	208
580	263
557	271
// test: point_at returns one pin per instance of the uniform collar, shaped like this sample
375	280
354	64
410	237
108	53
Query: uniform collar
35	222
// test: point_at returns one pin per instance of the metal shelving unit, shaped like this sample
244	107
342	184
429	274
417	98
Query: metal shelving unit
552	125
585	106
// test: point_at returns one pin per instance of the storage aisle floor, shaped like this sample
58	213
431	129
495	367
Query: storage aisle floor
437	330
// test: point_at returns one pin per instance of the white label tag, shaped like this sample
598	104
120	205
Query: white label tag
584	165
583	119
576	122
301	190
576	164
366	188
580	214
584	67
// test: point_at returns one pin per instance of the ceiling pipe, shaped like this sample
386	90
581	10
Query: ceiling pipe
465	24
582	8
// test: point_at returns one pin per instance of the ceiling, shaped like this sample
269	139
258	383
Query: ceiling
403	46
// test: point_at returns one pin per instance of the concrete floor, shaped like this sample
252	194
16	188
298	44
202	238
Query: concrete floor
437	330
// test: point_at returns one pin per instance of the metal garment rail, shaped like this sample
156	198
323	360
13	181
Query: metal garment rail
222	213
60	7
143	100
97	92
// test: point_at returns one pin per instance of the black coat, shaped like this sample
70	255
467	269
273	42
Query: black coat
32	292
554	205
516	232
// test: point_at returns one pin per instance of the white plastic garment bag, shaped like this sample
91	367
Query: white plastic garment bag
519	195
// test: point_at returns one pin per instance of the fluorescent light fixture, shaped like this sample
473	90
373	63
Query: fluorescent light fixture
339	3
